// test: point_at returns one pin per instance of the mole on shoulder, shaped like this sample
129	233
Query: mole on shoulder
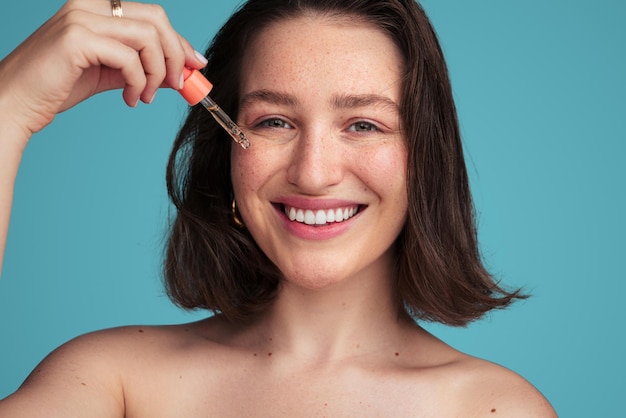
140	330
493	410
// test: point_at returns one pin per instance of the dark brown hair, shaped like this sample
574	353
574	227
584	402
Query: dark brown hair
214	264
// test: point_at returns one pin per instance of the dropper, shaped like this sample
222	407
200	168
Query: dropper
196	90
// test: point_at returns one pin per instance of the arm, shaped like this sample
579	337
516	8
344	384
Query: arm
81	51
12	141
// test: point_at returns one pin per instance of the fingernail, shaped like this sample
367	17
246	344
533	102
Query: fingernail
152	98
181	82
201	57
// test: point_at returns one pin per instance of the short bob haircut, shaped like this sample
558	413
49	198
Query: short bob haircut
213	263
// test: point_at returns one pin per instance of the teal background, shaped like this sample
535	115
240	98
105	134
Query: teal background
540	92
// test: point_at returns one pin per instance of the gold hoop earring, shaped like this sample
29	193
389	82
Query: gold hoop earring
236	218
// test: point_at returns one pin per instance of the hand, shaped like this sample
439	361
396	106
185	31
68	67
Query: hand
83	50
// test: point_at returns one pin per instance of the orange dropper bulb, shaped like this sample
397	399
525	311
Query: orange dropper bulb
196	90
196	86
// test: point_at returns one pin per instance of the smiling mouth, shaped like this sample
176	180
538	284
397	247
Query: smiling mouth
320	217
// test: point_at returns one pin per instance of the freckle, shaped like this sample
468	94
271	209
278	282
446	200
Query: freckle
83	383
140	330
397	354
254	354
269	354
493	410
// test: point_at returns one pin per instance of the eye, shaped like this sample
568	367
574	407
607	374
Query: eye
363	126
274	123
272	128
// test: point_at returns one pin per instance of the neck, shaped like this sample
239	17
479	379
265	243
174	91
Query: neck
355	317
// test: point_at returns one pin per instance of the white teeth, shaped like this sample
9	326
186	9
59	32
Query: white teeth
320	217
309	217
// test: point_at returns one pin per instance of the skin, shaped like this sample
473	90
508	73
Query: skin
332	344
339	145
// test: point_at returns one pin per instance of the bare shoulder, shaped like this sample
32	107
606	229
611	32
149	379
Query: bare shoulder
461	385
78	370
487	389
86	376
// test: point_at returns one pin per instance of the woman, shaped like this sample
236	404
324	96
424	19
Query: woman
318	247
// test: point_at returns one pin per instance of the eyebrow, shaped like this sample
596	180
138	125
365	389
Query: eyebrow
268	96
347	101
351	101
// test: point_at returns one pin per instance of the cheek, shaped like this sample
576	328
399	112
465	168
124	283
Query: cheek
385	169
243	166
250	169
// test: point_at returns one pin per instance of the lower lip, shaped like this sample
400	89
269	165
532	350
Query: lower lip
315	232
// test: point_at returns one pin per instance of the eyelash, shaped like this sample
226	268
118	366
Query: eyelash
277	123
273	123
370	126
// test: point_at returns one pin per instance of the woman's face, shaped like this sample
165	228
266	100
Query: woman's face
323	188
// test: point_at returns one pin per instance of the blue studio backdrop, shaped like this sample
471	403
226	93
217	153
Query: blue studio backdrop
540	91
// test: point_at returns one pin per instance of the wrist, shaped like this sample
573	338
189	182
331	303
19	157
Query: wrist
14	136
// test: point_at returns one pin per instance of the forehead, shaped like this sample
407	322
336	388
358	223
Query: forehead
314	52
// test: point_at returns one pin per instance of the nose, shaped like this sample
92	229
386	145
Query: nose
316	162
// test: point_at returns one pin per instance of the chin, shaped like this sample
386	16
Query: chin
312	281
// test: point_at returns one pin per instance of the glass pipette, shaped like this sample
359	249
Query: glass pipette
196	90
